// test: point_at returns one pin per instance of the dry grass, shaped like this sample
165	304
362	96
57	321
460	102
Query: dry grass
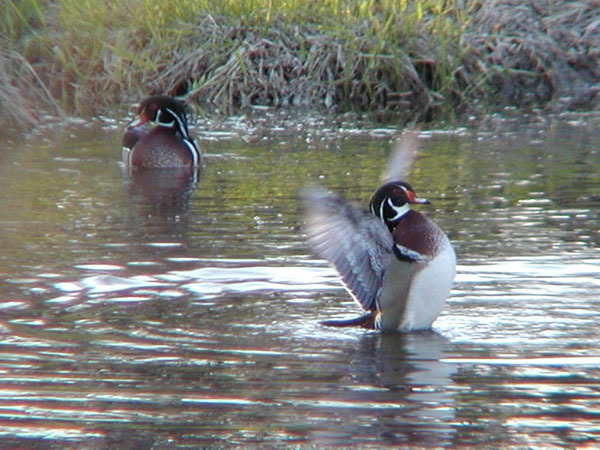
24	96
536	52
293	66
334	55
412	61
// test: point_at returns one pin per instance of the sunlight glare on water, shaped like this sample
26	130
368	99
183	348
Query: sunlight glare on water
142	311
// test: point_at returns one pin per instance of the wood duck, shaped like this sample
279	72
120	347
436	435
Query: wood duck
167	144
395	262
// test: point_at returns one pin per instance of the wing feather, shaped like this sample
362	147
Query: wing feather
402	157
357	243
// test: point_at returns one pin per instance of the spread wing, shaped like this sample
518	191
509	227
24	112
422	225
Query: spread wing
402	157
357	243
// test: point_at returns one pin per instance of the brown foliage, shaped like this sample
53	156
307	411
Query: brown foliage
537	52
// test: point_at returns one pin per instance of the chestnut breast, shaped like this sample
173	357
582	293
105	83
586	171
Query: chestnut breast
417	232
160	148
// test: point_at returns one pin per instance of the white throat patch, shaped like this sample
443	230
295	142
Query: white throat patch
399	210
164	124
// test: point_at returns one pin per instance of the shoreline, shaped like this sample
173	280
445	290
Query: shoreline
468	59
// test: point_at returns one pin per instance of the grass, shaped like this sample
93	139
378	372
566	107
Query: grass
411	60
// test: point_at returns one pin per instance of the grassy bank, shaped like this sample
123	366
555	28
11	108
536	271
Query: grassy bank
414	60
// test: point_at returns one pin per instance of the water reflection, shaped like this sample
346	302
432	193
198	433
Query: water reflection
148	311
410	367
163	194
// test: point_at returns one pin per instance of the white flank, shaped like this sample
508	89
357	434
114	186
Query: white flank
429	290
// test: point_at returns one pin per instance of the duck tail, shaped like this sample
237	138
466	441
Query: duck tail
365	321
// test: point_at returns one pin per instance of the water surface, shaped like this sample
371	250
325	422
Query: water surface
159	311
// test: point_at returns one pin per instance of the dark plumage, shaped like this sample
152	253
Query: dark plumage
168	143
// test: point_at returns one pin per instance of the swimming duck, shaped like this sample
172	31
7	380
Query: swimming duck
168	144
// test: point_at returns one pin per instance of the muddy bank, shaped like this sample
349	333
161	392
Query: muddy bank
472	57
544	53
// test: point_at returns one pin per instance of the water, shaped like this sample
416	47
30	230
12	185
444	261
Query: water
169	312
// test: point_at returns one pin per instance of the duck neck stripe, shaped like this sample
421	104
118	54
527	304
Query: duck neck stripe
181	124
182	128
381	213
194	151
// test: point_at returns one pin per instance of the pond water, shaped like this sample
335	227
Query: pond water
163	312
